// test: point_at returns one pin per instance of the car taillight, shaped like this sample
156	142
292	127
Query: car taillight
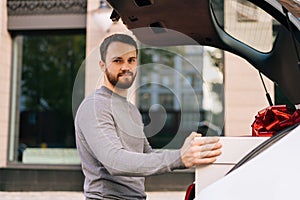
190	192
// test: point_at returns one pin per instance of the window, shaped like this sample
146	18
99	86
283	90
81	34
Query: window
246	23
44	70
178	90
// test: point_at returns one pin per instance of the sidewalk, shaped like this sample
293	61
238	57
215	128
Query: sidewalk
79	195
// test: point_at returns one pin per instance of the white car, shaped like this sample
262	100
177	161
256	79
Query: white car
271	170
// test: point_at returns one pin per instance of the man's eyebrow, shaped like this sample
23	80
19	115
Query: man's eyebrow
117	57
121	58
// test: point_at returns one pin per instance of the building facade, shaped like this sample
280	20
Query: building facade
49	62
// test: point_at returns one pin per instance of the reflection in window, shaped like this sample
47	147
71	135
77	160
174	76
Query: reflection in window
47	66
246	11
246	22
172	92
167	100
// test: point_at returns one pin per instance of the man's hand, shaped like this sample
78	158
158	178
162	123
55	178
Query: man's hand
198	150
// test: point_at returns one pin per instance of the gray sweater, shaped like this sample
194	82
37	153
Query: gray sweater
114	151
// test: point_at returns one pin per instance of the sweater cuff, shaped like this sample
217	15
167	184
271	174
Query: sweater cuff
177	164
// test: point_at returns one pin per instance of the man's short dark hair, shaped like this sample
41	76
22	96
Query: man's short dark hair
116	38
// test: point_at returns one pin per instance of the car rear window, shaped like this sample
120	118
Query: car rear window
247	23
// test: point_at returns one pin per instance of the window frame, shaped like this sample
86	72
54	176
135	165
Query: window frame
15	97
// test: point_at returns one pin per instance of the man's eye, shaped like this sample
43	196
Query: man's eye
117	61
131	60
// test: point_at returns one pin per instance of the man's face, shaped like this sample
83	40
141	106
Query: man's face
120	64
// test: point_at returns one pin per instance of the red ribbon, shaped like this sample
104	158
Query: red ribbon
273	119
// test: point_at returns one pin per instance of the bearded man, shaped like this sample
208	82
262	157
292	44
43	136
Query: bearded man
114	151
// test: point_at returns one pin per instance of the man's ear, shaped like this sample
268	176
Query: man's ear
102	65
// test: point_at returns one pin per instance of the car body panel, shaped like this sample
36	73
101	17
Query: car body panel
233	150
273	174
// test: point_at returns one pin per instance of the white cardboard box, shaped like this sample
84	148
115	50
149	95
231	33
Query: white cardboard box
233	150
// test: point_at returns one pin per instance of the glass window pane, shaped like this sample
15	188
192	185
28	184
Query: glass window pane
246	22
174	83
48	67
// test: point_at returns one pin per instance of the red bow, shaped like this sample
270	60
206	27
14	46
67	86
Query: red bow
273	119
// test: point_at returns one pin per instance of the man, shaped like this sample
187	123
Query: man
114	151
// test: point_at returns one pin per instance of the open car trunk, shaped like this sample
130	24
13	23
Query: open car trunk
168	22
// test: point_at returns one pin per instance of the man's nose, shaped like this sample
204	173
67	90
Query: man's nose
125	66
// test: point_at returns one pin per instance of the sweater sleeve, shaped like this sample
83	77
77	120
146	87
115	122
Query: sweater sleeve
147	147
101	138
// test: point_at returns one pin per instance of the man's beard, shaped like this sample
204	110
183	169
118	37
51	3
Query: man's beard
122	84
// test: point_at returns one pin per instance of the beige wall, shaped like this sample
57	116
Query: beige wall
5	71
94	36
244	94
95	33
